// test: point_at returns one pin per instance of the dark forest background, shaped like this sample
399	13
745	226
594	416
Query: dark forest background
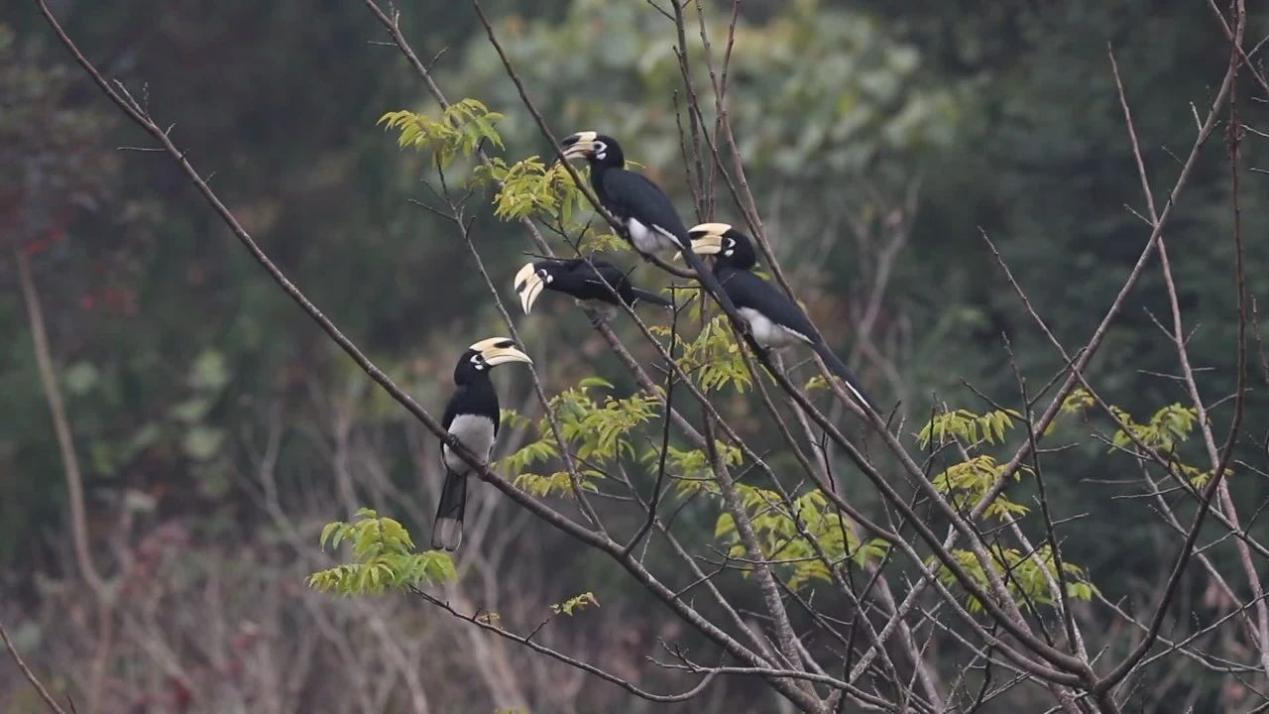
186	372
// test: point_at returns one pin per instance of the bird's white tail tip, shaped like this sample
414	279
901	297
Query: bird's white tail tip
447	534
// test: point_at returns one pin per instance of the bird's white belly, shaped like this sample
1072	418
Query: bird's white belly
476	433
768	333
648	240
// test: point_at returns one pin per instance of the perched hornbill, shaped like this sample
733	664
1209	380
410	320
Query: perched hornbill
472	417
582	280
648	217
774	320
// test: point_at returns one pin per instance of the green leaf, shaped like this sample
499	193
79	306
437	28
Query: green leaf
202	442
209	372
577	602
594	382
80	377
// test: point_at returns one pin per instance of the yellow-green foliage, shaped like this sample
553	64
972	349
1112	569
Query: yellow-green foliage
1077	401
600	429
969	482
1168	427
816	382
597	429
594	242
968	426
532	189
693	468
713	357
780	538
459	131
383	558
575	603
557	484
1026	580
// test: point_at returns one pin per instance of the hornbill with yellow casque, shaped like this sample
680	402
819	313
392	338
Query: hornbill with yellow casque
647	216
775	321
594	280
471	417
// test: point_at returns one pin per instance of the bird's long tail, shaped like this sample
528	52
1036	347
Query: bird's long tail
447	531
648	297
839	368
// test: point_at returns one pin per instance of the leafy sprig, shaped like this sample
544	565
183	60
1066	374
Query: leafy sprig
383	558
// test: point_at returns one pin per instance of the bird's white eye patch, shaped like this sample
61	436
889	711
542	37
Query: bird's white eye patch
478	361
600	149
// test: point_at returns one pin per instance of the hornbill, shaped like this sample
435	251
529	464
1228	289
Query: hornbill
643	210
774	320
582	280
472	418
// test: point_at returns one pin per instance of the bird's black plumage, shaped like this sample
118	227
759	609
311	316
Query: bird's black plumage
774	320
582	280
472	416
646	213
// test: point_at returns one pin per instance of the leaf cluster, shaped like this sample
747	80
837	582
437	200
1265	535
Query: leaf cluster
460	130
793	537
970	481
1026	577
530	188
383	558
599	429
575	603
968	427
692	467
1168	427
713	356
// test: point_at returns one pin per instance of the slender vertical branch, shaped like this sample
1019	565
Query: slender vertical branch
61	425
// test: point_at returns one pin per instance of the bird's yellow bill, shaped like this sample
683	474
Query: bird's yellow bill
500	350
529	286
709	245
579	145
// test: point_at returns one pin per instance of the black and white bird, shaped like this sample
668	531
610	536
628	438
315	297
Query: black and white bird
647	215
471	417
775	321
582	280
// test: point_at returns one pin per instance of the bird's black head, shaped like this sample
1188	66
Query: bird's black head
480	357
728	245
598	149
534	277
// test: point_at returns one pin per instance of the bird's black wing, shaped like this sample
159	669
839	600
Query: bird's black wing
614	276
479	398
632	195
748	290
584	282
451	409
